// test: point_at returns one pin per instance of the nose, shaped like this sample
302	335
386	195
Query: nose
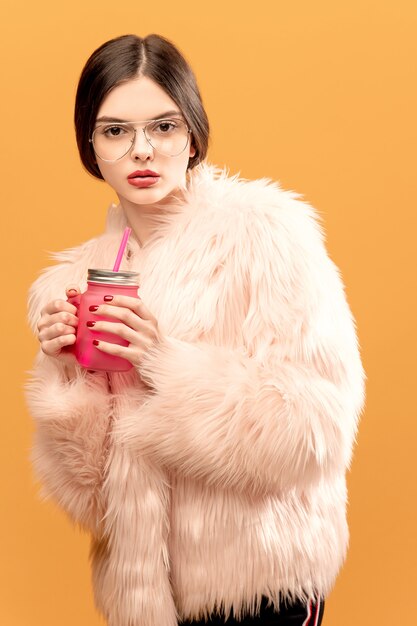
141	148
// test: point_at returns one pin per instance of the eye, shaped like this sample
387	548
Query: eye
113	131
165	126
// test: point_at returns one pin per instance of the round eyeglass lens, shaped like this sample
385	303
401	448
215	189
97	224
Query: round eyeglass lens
168	137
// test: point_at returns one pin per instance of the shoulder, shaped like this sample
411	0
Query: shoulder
70	266
258	215
67	268
274	238
95	250
67	258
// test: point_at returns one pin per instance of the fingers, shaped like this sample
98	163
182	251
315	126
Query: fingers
65	318
56	326
116	350
121	330
134	355
57	306
54	346
129	317
133	304
52	331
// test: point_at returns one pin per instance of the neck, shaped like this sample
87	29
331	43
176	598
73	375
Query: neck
146	220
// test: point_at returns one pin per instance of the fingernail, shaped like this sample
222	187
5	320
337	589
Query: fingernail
72	292
108	298
90	324
95	342
92	308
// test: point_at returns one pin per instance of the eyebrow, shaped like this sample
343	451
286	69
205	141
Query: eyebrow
106	118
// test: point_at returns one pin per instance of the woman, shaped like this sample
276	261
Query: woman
211	476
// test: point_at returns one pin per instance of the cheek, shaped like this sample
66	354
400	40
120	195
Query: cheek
103	169
178	174
181	166
111	175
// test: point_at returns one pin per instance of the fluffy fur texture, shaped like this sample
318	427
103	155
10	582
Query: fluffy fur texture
226	480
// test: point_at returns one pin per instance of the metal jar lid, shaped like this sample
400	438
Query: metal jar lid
113	278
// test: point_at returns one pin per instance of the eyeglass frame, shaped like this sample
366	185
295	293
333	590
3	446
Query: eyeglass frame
146	122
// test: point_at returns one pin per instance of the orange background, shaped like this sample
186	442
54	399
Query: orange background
318	95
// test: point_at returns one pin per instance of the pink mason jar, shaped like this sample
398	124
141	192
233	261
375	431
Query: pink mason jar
101	283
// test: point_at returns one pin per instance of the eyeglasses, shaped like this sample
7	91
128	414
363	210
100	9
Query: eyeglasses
112	141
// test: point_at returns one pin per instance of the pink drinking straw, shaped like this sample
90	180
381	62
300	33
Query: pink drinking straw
122	249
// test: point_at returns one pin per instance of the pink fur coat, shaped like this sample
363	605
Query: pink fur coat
226	480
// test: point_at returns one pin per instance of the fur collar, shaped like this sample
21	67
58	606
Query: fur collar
211	190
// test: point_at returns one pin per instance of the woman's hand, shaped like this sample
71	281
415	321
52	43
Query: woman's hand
135	323
57	324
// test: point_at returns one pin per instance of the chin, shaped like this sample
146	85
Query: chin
146	196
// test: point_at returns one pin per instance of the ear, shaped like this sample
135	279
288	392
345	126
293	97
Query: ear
193	149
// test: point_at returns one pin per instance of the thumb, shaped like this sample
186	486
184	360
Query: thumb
72	290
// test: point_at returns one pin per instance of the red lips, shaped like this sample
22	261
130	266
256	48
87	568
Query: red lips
142	173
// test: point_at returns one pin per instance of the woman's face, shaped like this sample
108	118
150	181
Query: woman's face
141	99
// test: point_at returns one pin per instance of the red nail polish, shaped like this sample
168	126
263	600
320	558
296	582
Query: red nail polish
108	298
92	308
95	342
90	324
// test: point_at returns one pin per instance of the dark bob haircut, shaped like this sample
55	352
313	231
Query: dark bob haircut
129	56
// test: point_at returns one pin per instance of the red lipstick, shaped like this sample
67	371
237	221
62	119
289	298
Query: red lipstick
142	173
143	178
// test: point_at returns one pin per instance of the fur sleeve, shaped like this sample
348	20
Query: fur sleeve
69	447
72	413
281	411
